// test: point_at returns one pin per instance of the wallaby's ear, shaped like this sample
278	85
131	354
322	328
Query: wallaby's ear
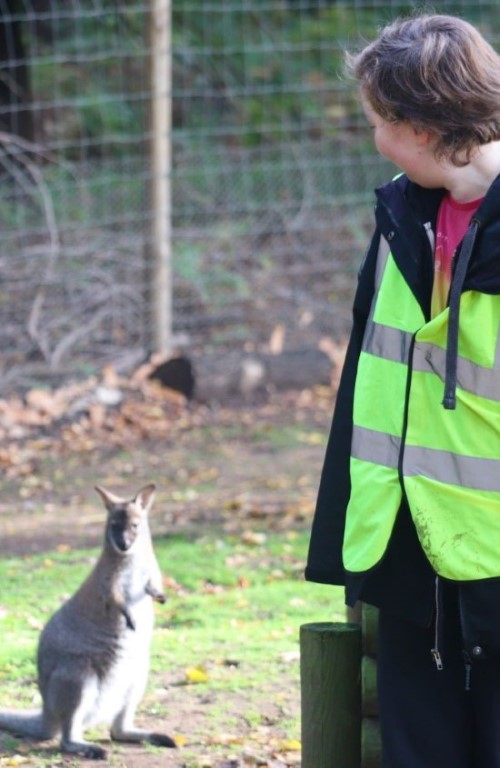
145	497
109	499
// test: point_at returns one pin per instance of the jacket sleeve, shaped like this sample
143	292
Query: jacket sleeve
324	562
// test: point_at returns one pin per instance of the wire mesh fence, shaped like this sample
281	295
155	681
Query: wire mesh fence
272	176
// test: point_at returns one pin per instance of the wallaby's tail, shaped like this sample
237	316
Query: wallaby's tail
28	723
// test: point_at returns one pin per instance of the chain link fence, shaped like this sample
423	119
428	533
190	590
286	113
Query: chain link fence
272	176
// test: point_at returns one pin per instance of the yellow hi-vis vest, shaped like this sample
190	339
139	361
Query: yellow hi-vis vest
447	461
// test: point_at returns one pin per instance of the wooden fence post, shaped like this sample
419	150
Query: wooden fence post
330	657
160	33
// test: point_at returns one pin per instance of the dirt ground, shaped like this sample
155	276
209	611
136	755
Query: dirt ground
261	459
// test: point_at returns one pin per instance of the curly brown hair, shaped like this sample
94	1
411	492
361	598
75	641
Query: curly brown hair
438	73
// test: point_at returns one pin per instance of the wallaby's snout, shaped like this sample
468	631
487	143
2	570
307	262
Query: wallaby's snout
123	530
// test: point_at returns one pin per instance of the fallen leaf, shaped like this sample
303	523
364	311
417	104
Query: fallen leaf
291	745
196	675
277	339
253	538
290	657
35	623
226	739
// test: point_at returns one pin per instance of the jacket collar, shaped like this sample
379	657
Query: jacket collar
406	207
402	211
424	203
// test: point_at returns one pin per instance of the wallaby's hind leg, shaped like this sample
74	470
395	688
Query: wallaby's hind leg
123	729
78	702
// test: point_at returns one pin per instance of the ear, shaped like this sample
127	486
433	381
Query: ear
109	499
424	137
145	497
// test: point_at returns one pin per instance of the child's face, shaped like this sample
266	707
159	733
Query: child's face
409	149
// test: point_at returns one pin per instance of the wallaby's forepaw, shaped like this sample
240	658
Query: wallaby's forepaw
162	740
158	596
128	618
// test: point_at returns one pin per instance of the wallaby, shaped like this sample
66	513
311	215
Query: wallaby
93	654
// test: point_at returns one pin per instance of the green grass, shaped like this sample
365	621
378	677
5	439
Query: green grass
217	581
240	594
235	605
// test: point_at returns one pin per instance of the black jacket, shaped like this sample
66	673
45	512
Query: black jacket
403	582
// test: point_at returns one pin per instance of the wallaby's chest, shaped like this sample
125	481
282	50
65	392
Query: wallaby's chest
132	581
108	694
127	668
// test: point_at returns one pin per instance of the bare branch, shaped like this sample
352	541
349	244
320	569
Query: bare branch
17	149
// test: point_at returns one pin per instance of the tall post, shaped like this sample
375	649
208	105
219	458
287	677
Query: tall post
160	37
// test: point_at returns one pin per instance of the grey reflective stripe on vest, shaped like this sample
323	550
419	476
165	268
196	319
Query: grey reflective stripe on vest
383	340
387	342
477	379
376	447
449	468
383	252
453	469
381	263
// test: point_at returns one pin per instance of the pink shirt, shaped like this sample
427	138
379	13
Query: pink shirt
452	222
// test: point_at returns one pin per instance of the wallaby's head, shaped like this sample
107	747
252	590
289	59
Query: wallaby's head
127	518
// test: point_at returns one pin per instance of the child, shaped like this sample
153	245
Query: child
408	511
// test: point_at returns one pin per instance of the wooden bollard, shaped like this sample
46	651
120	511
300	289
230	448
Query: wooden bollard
369	628
330	657
371	748
369	699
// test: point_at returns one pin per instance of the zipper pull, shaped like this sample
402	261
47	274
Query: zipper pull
430	235
437	659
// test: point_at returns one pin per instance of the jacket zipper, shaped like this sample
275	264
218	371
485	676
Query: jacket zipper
435	651
430	242
468	670
459	274
466	655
